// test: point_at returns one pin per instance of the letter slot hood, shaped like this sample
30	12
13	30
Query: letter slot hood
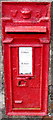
25	29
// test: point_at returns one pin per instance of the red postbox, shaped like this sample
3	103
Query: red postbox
26	41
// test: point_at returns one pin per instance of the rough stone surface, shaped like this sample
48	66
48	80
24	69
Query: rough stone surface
50	85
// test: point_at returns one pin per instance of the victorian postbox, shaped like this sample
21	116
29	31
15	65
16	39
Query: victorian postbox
26	41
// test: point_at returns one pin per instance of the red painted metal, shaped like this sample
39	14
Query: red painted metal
26	25
25	29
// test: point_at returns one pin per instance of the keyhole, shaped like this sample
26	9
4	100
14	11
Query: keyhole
22	83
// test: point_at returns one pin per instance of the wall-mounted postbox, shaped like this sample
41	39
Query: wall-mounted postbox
25	40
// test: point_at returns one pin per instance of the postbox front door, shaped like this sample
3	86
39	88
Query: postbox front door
27	78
